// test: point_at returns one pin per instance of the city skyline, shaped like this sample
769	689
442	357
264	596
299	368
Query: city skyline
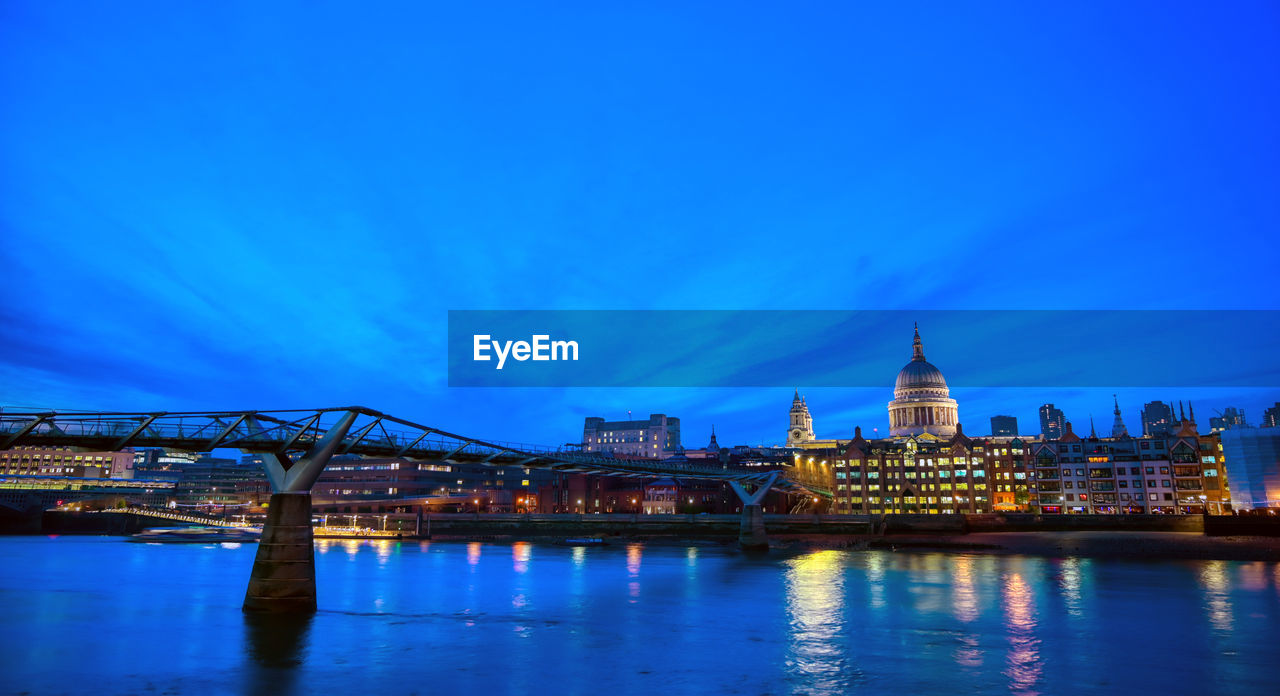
180	252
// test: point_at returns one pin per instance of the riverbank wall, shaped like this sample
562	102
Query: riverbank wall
707	526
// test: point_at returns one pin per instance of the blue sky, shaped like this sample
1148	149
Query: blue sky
229	206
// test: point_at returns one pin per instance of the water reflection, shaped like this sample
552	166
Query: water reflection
473	554
521	552
634	552
815	606
383	548
875	580
1217	585
275	645
579	556
1071	583
1024	667
964	599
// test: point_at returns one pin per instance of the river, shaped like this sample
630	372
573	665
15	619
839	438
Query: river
96	615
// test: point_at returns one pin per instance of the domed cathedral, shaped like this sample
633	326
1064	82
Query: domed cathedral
922	402
800	429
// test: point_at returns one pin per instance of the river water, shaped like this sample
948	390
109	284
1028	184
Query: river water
96	615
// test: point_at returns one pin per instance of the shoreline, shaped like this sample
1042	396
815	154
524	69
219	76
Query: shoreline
1085	544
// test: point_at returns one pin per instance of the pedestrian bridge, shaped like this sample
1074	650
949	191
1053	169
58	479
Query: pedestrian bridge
295	446
366	433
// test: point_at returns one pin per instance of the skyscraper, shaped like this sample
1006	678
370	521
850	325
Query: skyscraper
1157	418
1052	422
1004	426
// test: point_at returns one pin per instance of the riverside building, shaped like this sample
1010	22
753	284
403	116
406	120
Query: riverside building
929	465
656	438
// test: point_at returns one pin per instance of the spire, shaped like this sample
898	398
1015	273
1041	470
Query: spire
1182	415
714	446
1192	409
1093	432
917	348
1117	426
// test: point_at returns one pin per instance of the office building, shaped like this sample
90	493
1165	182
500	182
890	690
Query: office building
1157	419
1052	422
1004	426
657	437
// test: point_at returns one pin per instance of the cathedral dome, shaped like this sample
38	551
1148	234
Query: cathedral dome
920	374
921	401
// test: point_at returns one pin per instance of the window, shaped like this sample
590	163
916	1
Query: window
1153	496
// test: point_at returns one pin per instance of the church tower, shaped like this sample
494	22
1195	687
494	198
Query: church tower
800	430
1117	428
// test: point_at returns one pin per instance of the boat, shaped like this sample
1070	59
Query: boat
197	535
583	541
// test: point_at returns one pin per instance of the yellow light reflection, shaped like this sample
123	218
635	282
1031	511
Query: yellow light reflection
1216	581
815	606
521	552
473	554
964	599
1024	665
383	549
579	556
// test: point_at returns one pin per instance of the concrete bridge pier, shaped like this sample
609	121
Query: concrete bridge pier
751	533
283	579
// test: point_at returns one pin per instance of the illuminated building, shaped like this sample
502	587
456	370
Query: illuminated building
1157	419
800	423
1174	473
1052	422
654	438
66	461
922	402
928	474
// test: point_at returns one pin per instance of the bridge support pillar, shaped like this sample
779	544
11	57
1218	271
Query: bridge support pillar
284	572
751	533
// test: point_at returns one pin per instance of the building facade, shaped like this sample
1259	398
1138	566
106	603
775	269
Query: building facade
656	438
66	461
